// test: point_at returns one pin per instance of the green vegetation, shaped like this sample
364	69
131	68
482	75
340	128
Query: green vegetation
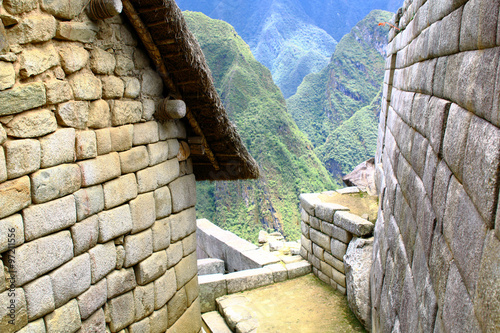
255	104
330	105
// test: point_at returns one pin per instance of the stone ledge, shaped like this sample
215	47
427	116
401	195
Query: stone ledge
353	223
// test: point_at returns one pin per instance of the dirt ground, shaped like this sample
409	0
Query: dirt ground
303	305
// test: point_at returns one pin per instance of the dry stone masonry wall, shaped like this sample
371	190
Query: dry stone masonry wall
97	217
327	231
436	249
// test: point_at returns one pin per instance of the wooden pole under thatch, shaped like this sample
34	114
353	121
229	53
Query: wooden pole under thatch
155	55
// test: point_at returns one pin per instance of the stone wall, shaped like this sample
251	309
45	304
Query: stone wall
327	230
436	249
97	218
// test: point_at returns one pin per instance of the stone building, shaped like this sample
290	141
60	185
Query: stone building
436	253
105	124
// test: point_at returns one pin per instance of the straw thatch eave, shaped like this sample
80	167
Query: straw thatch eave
182	65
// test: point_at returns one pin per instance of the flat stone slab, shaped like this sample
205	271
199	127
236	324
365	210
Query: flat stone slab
248	279
210	266
297	269
353	223
215	322
349	190
308	201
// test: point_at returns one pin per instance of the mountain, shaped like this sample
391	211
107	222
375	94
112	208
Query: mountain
326	101
256	105
290	37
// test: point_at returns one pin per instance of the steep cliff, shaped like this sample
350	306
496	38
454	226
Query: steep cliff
325	101
256	105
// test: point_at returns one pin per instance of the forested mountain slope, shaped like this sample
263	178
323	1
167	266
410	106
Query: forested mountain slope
325	101
291	37
256	105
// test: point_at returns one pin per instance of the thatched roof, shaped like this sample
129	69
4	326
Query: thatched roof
182	65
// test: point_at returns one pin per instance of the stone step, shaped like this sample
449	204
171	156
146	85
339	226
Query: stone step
215	323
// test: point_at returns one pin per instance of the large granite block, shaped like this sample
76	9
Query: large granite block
455	139
353	223
212	287
479	24
464	235
248	279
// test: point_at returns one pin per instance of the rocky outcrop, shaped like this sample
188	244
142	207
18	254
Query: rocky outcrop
363	177
357	263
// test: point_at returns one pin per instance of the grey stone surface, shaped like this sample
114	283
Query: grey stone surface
465	236
32	124
338	249
121	137
11	234
182	224
89	201
215	322
183	192
134	159
84	32
23	97
318	252
151	268
190	321
177	305
103	140
145	133
297	269
33	28
39	297
248	279
73	114
165	288
144	299
73	57
85	85
114	223
334	262
22	157
158	152
280	273
152	84
185	270
125	112
320	239
37	326
102	62
163	202
62	212
138	247
14	195
159	175
119	190
174	254
95	323
143	212
55	182
486	300
140	326
212	287
161	234
480	168
100	169
479	24
158	321
58	147
86	145
62	9
132	87
71	279
64	319
308	201
18	7
36	60
325	211
42	255
189	244
121	311
99	115
19	311
353	223
336	232
458	311
93	299
439	265
102	260
58	91
3	166
120	281
112	87
358	262
209	266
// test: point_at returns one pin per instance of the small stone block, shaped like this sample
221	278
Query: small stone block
248	279
119	190
89	201
120	281
102	260
114	223
353	223
138	247
297	269
93	299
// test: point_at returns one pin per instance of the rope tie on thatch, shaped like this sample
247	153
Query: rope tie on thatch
103	9
156	56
